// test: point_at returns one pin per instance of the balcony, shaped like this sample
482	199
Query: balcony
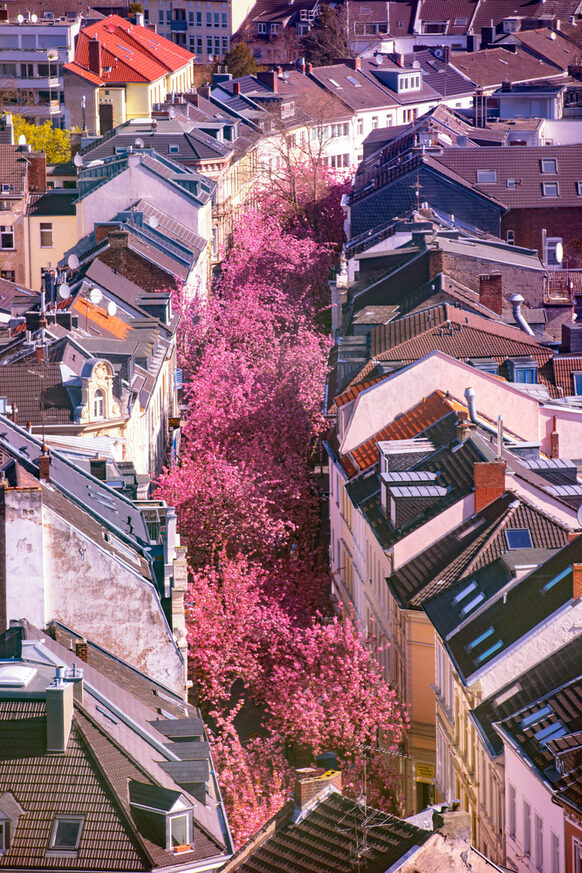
179	26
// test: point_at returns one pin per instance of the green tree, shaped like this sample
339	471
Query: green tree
54	142
327	38
240	61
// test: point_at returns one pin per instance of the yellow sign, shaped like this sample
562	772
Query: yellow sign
424	771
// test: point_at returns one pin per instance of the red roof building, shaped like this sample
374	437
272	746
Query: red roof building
120	70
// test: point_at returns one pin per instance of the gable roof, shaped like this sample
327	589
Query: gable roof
492	66
549	45
129	53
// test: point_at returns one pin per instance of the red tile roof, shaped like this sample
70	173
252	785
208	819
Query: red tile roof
129	53
563	369
352	392
406	426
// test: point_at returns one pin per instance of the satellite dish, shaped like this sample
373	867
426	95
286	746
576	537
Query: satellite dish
64	291
34	17
95	296
153	221
22	140
78	160
73	262
20	19
111	308
139	143
438	53
559	252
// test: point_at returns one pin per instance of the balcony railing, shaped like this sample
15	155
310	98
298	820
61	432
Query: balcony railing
179	26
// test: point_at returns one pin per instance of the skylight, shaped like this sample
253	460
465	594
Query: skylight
354	81
462	594
481	638
473	604
518	539
488	652
536	716
337	84
550	584
489	176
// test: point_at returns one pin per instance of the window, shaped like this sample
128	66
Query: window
217	19
579	189
191	18
209	45
179	830
577	380
216	45
389	120
511	183
160	16
224	45
224	19
511	811
360	126
526	828
555	845
98	404
6	236
198	18
66	833
550	189
274	28
173	149
9	275
460	22
549	165
487	177
199	44
46	235
539	843
519	538
209	19
3	837
510	237
485	365
374	122
523	370
191	44
168	16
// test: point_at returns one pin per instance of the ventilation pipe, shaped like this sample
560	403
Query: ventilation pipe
516	302
470	398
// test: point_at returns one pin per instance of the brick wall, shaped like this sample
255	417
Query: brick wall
564	222
489	483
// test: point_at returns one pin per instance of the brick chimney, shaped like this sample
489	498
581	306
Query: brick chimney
576	581
37	172
308	788
490	292
236	88
117	238
554	439
353	63
95	63
308	68
489	482
44	465
465	428
59	712
82	650
269	79
436	262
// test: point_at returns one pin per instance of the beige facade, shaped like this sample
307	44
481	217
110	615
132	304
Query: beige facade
45	240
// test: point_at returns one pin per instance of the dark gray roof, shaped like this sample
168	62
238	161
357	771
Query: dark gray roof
60	201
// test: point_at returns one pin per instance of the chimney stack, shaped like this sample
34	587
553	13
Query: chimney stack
465	428
268	78
489	482
236	88
95	63
308	788
82	650
490	292
576	581
44	464
59	712
554	439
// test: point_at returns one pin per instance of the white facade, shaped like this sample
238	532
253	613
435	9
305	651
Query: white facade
534	833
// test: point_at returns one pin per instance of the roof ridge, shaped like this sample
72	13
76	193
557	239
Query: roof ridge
499	526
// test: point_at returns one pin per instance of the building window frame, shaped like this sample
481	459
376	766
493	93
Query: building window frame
7	237
46	234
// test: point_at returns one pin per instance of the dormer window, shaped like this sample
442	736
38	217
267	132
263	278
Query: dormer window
180	830
519	538
174	149
261	27
274	28
163	814
3	837
523	370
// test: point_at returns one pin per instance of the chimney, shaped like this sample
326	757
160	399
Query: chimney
95	64
301	65
308	68
436	262
489	482
44	463
236	88
554	439
465	428
308	788
37	172
82	650
572	338
269	79
490	292
454	825
59	712
576	581
446	53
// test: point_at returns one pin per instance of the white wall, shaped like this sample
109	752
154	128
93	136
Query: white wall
530	789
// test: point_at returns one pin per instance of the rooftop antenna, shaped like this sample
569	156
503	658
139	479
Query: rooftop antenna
499	437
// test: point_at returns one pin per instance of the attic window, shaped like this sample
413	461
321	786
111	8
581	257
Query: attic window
511	183
485	365
577	381
174	149
460	22
179	835
550	189
3	837
487	176
549	165
335	84
66	835
519	538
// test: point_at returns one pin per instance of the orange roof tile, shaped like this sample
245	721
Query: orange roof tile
109	323
405	427
352	392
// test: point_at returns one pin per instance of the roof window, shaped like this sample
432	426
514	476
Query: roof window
536	716
335	84
480	639
579	189
173	149
460	22
354	81
523	370
472	604
511	183
549	165
488	652
66	836
487	176
519	538
462	594
550	189
576	380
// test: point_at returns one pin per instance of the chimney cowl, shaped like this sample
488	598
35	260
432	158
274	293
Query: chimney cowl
516	300
59	712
